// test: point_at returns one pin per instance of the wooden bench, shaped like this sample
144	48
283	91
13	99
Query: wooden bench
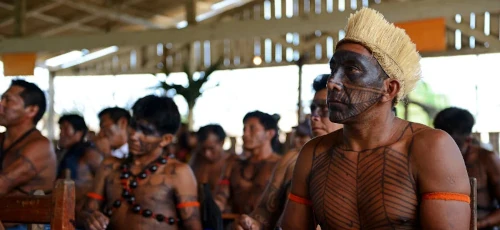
56	209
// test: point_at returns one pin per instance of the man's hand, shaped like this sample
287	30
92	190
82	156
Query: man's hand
246	223
96	221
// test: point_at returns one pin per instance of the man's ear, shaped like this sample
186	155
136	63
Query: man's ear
391	90
32	110
270	133
166	140
122	123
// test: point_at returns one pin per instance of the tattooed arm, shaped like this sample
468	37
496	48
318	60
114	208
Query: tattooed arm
186	192
299	216
440	168
91	217
223	190
493	170
30	161
272	201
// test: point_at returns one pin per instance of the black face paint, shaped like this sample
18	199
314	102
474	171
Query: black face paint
361	81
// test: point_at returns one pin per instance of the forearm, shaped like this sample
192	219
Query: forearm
221	198
270	207
493	219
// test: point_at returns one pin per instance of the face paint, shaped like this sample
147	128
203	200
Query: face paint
355	84
143	138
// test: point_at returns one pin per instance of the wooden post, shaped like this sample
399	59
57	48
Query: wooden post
63	197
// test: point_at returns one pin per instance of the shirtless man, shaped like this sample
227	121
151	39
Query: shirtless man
272	202
77	155
378	171
147	190
112	138
209	162
482	164
27	159
245	180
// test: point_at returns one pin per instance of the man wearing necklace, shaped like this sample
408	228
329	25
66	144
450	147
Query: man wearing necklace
378	172
147	190
482	164
245	180
27	159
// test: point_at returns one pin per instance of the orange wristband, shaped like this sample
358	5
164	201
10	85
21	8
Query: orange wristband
96	196
188	204
446	196
299	199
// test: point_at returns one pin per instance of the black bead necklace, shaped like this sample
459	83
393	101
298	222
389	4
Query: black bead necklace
129	182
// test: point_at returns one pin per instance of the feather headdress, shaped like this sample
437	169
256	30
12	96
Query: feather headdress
391	46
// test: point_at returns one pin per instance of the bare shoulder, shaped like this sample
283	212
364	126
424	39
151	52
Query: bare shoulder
38	145
427	142
109	164
486	154
322	143
439	163
177	168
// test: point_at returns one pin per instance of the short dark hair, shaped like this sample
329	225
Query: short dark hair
215	129
115	113
162	112
320	82
269	122
32	95
76	121
454	120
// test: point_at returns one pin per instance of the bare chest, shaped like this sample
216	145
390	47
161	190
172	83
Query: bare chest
248	182
364	190
137	197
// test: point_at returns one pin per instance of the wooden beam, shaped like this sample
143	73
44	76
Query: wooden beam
395	12
112	14
20	18
493	41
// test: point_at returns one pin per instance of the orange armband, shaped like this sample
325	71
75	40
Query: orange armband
95	196
446	196
224	182
299	199
188	204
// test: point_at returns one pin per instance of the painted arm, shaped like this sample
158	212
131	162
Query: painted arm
442	180
186	192
298	214
273	199
223	189
91	217
30	161
493	170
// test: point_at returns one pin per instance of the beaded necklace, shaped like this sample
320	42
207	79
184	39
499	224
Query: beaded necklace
129	182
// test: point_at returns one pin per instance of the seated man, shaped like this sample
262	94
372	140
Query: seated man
244	180
77	155
27	159
482	164
210	160
112	138
147	190
378	172
272	202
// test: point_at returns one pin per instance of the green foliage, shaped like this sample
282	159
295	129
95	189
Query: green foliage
422	104
193	91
